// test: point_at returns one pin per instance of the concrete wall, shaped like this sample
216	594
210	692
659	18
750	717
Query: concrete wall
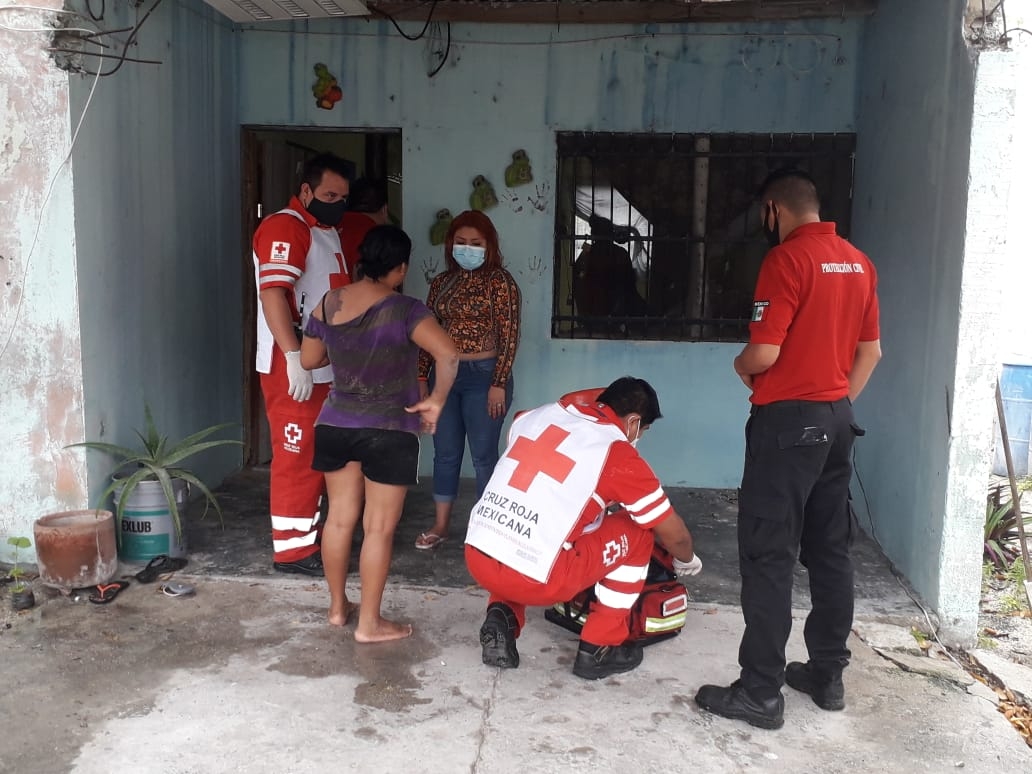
40	367
507	87
157	225
1015	336
929	406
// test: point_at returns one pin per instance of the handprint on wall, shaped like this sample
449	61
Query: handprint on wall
430	269
540	200
512	199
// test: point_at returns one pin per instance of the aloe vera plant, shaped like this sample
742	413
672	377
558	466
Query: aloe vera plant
161	461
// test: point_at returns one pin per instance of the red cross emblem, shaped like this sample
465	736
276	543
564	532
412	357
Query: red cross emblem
540	456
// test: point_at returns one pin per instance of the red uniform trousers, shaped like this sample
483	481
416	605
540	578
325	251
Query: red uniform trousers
294	488
615	558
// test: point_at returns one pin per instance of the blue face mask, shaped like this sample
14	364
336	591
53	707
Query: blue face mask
469	257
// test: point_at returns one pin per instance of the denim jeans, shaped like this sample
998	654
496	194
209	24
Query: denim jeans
463	418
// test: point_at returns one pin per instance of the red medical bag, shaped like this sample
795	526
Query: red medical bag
658	614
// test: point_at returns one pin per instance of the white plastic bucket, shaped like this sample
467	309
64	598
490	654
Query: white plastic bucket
147	526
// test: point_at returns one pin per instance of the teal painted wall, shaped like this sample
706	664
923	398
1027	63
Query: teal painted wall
507	87
909	214
157	227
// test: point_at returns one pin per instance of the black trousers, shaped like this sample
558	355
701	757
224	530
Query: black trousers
794	502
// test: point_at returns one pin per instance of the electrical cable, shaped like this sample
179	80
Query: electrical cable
103	10
572	41
40	8
122	58
89	32
422	32
42	212
444	58
932	628
119	57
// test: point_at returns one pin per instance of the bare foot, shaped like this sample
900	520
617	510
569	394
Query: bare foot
341	618
383	631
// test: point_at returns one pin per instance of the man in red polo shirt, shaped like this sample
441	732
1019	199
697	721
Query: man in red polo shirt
297	258
813	344
367	207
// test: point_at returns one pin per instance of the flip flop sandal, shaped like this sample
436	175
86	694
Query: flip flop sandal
106	592
428	541
176	589
158	565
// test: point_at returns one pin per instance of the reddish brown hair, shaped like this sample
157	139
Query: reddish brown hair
483	224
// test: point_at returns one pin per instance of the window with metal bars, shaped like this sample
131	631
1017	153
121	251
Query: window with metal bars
658	237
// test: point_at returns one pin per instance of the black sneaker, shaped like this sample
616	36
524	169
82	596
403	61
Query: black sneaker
310	565
825	688
736	703
498	637
597	661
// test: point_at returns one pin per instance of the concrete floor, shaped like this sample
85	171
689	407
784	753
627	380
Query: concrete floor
246	676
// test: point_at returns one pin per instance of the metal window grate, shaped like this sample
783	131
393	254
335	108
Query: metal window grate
658	236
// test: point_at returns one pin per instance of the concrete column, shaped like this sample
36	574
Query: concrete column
978	343
41	398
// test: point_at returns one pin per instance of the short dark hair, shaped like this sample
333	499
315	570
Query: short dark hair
367	195
628	394
315	166
383	249
793	188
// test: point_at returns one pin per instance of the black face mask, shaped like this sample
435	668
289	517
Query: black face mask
773	235
327	213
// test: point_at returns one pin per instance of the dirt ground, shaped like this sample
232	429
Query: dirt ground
1005	620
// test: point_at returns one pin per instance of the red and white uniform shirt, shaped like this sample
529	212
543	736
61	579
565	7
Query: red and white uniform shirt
290	251
565	463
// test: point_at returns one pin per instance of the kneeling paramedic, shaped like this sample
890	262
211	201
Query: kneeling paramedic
544	529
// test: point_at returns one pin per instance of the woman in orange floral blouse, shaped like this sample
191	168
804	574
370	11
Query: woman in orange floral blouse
478	303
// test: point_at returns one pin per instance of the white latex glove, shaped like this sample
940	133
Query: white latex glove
300	380
683	569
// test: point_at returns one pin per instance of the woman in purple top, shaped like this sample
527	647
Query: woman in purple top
366	440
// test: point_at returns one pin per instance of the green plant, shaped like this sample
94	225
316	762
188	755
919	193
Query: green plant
16	572
158	461
1001	529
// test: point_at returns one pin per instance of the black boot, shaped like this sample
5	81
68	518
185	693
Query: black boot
310	565
498	637
597	661
824	687
737	703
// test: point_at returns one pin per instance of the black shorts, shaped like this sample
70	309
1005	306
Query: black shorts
387	456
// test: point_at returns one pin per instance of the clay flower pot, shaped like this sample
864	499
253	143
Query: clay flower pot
76	549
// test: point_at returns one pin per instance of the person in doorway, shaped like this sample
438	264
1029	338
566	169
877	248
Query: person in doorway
367	207
545	527
365	434
297	258
813	344
478	303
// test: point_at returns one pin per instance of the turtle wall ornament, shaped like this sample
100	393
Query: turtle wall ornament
439	230
518	172
483	195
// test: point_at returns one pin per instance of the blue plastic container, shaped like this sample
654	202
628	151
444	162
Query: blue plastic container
1016	390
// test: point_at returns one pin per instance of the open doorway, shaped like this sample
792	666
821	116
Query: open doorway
271	163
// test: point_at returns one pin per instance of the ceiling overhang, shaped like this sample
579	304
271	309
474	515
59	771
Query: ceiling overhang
620	11
544	11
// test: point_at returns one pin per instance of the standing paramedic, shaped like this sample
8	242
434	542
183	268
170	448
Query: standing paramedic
813	344
297	258
545	528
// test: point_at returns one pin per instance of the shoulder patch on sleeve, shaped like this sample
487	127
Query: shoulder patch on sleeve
280	252
759	309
